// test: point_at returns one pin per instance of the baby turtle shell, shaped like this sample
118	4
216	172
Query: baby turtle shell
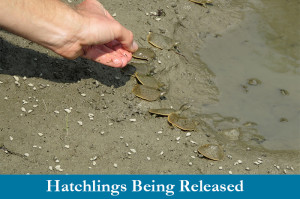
148	81
211	151
144	53
145	92
162	111
182	123
161	41
168	111
144	68
201	2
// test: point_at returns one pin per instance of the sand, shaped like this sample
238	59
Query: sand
109	130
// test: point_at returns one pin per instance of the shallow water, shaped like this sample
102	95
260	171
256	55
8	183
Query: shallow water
265	46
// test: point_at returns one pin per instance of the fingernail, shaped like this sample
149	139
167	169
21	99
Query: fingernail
134	46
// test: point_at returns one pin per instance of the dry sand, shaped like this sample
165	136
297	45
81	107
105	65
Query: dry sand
37	142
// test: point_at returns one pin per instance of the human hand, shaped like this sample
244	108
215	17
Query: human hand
104	39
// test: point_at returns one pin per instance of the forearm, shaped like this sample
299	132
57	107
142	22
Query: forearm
49	23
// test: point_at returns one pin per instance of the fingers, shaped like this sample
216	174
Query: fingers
108	56
125	37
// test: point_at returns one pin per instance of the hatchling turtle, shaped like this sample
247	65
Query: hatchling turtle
144	53
148	81
211	151
201	2
146	93
161	41
182	123
144	68
162	111
168	111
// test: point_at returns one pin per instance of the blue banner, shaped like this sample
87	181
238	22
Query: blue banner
149	186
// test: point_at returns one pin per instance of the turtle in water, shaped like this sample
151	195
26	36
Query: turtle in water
161	41
211	151
148	81
144	53
146	92
202	2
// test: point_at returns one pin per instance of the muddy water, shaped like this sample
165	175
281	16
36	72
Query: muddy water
265	46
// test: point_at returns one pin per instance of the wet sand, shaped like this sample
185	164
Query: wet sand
37	141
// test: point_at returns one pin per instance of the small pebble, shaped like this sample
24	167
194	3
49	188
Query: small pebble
94	158
80	123
159	132
129	153
17	83
193	142
178	138
29	111
247	169
188	134
161	153
133	150
284	171
102	132
126	144
230	172
26	154
1	82
23	109
11	138
257	163
157	139
110	123
115	165
193	157
67	146
220	168
292	168
68	110
40	134
16	78
114	14
6	98
35	105
190	163
30	84
34	88
240	161
132	120
57	167
148	158
83	94
94	163
56	112
121	137
50	168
